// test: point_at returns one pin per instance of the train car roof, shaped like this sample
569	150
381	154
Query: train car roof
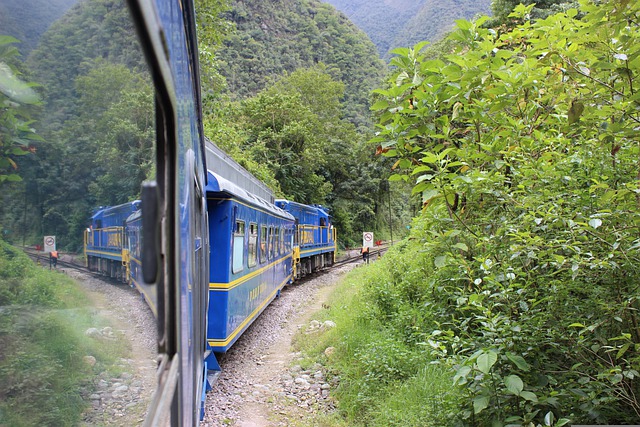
231	170
309	208
123	208
218	185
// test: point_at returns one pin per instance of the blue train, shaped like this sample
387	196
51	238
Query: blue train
208	246
256	246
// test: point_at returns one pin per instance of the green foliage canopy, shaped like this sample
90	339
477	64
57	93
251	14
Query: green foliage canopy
524	148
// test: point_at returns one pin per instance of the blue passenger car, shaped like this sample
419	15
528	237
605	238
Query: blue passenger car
314	238
251	243
105	247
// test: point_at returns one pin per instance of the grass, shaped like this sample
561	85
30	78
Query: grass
43	319
384	380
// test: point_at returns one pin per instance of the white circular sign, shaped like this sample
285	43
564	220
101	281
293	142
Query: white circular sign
49	241
368	237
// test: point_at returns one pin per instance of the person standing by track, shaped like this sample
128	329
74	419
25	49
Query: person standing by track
365	254
53	259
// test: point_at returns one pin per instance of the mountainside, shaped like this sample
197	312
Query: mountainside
280	36
402	23
27	20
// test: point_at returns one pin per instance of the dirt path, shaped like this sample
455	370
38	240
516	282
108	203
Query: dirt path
278	357
260	384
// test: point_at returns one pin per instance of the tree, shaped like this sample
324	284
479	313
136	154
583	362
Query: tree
524	148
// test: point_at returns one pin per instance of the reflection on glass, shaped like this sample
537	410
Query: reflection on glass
76	133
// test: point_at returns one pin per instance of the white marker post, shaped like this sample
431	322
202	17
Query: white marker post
49	246
367	242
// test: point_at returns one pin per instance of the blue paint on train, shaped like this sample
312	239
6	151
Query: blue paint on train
251	243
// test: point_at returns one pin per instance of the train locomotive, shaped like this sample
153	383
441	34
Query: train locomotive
104	241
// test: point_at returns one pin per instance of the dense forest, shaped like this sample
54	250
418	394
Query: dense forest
402	23
96	125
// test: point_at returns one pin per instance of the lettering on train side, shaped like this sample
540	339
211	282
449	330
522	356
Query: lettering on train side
114	239
255	293
306	237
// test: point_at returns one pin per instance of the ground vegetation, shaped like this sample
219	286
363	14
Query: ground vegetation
519	282
47	362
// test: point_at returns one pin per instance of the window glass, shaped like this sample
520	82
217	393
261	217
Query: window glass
281	239
238	247
276	238
271	245
263	244
253	244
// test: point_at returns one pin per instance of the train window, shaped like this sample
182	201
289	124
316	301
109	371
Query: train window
276	239
281	241
271	243
238	247
253	244
263	244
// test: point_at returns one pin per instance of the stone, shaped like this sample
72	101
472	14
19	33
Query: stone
329	324
89	360
92	332
329	351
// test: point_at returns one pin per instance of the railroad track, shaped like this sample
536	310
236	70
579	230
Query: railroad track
42	258
373	254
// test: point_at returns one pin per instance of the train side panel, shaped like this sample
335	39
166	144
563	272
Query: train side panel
134	272
250	263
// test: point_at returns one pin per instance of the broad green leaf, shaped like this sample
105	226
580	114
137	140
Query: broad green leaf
397	177
480	403
463	24
531	397
486	360
461	246
440	261
548	419
514	384
429	194
8	40
518	361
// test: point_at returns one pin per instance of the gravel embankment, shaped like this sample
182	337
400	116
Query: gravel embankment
120	399
261	384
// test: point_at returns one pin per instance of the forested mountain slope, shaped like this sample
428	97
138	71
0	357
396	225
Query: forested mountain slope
402	23
283	35
96	119
28	29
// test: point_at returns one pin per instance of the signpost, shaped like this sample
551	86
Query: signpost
367	239
49	243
